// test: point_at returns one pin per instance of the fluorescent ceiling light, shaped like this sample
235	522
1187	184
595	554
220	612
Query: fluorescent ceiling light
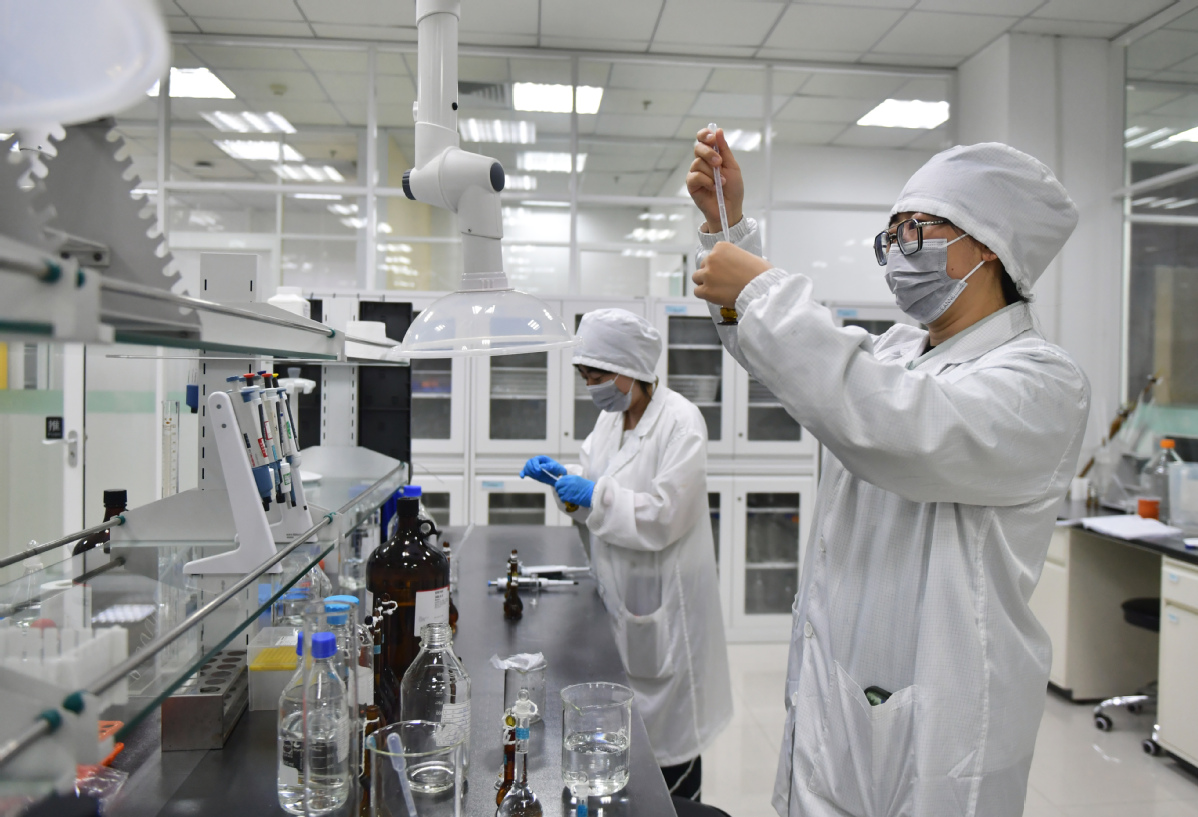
343	209
317	196
1134	130
746	140
248	122
498	130
542	162
308	173
536	203
1163	202
1182	203
395	247
257	150
520	183
535	96
195	83
1140	141
1190	135
1143	201
638	253
1164	143
906	113
354	223
650	234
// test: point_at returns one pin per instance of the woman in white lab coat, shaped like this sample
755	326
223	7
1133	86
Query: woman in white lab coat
917	671
641	492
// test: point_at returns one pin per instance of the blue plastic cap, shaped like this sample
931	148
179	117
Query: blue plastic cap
299	643
264	481
352	600
336	621
247	394
294	595
412	490
233	378
324	645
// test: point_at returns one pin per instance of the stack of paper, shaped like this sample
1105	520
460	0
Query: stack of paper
1130	526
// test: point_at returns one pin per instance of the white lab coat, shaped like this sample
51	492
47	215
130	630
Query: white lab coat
942	475
654	558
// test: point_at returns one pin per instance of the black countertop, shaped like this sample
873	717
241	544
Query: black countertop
1172	546
568	625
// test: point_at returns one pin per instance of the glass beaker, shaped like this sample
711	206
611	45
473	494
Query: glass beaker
516	679
596	736
415	769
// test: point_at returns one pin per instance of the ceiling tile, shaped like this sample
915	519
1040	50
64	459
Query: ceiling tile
553	71
853	86
352	62
182	25
1013	8
938	34
1068	28
1184	108
1176	76
1139	101
389	62
720	106
219	56
258	28
859	136
620	19
699	22
1105	11
1186	22
636	125
928	89
873	4
342	87
1162	49
360	12
824	109
337	31
594	43
661	103
310	113
736	80
1189	66
936	139
808	55
594	72
490	38
831	28
506	17
276	10
658	77
169	8
299	86
691	125
920	60
483	69
806	133
788	82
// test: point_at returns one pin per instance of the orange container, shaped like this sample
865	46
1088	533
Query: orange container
1149	507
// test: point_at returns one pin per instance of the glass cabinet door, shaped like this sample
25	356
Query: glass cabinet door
516	509
695	367
763	426
521	406
773	516
499	501
432	393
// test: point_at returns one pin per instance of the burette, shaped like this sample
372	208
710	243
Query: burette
728	314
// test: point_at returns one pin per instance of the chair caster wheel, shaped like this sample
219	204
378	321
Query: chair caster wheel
1151	747
1135	709
1103	723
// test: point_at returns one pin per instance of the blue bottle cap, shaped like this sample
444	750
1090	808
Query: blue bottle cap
343	599
340	609
412	490
299	643
324	645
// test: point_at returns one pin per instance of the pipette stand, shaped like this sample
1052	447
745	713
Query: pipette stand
296	519
254	539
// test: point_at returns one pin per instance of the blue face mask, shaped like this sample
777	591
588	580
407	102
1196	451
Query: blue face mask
921	284
609	398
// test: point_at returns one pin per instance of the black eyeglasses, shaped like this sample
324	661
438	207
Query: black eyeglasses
907	234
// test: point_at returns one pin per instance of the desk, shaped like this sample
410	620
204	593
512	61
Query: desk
1096	654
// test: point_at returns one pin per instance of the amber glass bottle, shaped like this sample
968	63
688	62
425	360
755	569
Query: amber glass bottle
453	608
513	607
410	584
508	775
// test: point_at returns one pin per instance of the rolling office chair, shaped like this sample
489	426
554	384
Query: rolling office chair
1145	613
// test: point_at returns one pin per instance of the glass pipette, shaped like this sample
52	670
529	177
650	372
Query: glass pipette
570	506
729	315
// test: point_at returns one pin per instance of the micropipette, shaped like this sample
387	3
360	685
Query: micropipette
729	315
532	581
570	506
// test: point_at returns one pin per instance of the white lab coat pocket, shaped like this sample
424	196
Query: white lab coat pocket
867	766
645	643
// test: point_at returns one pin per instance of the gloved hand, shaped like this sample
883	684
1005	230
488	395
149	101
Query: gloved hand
574	490
533	468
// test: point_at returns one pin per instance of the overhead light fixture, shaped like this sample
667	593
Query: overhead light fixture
343	209
1163	202
520	183
257	150
317	196
504	131
1155	135
650	234
743	140
630	253
1182	203
394	247
1134	130
1190	135
248	122
195	83
540	203
308	173
906	113
1143	202
539	161
354	223
536	96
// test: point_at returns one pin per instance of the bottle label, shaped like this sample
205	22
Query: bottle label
455	724
432	606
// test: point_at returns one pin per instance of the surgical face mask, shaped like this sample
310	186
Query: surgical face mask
921	283
608	397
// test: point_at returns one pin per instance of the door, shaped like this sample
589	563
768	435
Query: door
1178	706
579	412
763	426
773	515
514	501
721	499
696	366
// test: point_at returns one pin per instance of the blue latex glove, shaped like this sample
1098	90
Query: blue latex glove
575	490
533	468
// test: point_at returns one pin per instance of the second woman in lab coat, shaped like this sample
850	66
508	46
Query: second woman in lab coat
641	492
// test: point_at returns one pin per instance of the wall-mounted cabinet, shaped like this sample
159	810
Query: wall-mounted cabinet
695	365
518	409
500	500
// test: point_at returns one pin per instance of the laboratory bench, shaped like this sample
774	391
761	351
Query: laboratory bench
1096	654
568	625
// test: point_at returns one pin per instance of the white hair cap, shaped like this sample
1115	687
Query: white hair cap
616	340
1007	200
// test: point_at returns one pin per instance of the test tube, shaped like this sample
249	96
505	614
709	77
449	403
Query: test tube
729	315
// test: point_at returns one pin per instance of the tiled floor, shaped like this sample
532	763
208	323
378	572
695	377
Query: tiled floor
1077	769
